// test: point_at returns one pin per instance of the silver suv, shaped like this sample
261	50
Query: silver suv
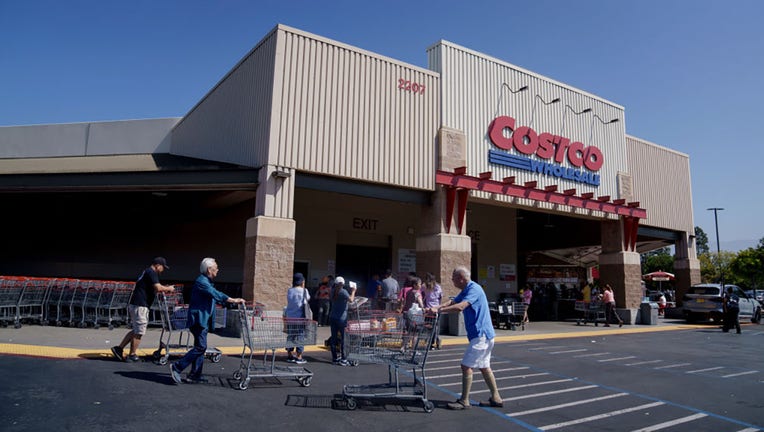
704	301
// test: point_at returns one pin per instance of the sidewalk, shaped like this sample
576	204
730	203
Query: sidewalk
64	342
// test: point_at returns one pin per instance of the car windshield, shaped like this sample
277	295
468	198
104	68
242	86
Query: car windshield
701	290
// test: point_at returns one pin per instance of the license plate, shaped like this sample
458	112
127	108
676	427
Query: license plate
700	300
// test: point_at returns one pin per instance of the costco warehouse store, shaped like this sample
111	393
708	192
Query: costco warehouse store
317	156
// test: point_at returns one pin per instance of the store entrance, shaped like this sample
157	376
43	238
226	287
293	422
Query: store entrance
359	263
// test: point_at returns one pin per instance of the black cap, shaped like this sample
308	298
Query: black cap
162	261
298	279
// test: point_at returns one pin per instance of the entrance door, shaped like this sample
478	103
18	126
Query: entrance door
358	263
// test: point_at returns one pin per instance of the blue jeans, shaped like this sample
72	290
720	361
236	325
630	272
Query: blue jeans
337	340
194	357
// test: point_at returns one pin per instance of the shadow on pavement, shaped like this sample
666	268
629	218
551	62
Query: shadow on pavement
338	402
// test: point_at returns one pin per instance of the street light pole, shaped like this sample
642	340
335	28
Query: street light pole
718	251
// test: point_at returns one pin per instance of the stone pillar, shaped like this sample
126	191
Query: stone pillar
439	249
686	266
621	269
270	239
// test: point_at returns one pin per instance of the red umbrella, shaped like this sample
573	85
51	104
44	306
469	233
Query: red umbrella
659	276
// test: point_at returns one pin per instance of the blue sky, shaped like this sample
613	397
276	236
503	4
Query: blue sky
687	72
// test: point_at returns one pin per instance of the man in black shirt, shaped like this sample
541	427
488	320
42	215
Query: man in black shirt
143	296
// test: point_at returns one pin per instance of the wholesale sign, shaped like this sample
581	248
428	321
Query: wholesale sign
550	152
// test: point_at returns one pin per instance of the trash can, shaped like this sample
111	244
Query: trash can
648	313
456	324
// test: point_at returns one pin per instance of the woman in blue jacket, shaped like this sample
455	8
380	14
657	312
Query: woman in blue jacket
201	311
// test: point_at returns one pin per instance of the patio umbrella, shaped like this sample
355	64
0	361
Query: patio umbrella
659	276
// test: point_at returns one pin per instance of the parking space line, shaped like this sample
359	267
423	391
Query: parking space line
565	405
549	393
739	374
670	423
527	385
643	362
592	355
673	365
748	430
458	383
616	359
494	370
600	416
569	351
546	347
706	369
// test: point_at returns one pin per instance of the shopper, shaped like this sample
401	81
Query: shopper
297	299
731	309
433	297
472	302
143	296
201	311
338	319
609	299
324	295
390	290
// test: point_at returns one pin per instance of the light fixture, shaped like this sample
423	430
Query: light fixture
533	110
511	91
565	113
281	174
159	194
591	126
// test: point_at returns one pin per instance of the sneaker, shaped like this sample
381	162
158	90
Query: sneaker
291	360
132	358
300	361
175	374
118	353
341	362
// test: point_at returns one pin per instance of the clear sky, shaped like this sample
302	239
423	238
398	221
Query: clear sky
689	73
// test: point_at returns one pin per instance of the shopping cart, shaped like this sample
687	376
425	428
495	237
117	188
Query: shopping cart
174	316
11	288
112	305
269	331
593	311
395	340
517	315
32	300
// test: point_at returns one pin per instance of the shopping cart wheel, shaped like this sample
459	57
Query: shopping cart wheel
215	358
428	406
353	363
237	375
305	381
244	384
111	326
163	360
96	326
17	324
351	403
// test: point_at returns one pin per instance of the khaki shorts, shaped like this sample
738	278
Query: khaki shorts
478	354
139	316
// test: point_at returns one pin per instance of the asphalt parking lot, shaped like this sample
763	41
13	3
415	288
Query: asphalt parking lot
685	379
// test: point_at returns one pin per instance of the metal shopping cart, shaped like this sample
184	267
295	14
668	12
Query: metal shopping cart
269	331
11	288
593	311
174	315
112	305
32	300
517	315
395	340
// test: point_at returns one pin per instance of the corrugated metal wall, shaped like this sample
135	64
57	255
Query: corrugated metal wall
232	122
661	182
338	110
478	88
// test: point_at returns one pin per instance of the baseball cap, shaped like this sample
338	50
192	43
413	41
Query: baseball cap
339	280
162	261
298	279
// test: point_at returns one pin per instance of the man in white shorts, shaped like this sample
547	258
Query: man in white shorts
473	303
143	296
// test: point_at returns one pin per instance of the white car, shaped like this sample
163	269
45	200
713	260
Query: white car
704	301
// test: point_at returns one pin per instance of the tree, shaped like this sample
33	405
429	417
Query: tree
701	241
747	268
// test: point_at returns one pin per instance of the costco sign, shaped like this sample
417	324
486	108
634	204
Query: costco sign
584	161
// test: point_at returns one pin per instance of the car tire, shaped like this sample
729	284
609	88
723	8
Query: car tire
756	317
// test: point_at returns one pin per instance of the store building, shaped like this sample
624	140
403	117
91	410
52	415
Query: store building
318	156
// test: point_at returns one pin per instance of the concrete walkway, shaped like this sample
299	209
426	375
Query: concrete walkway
72	343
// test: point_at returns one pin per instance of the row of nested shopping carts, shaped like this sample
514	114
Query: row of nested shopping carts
59	301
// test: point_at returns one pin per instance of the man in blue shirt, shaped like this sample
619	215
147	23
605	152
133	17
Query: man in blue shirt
473	303
201	311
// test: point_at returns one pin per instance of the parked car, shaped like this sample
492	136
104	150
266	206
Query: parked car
704	301
757	294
